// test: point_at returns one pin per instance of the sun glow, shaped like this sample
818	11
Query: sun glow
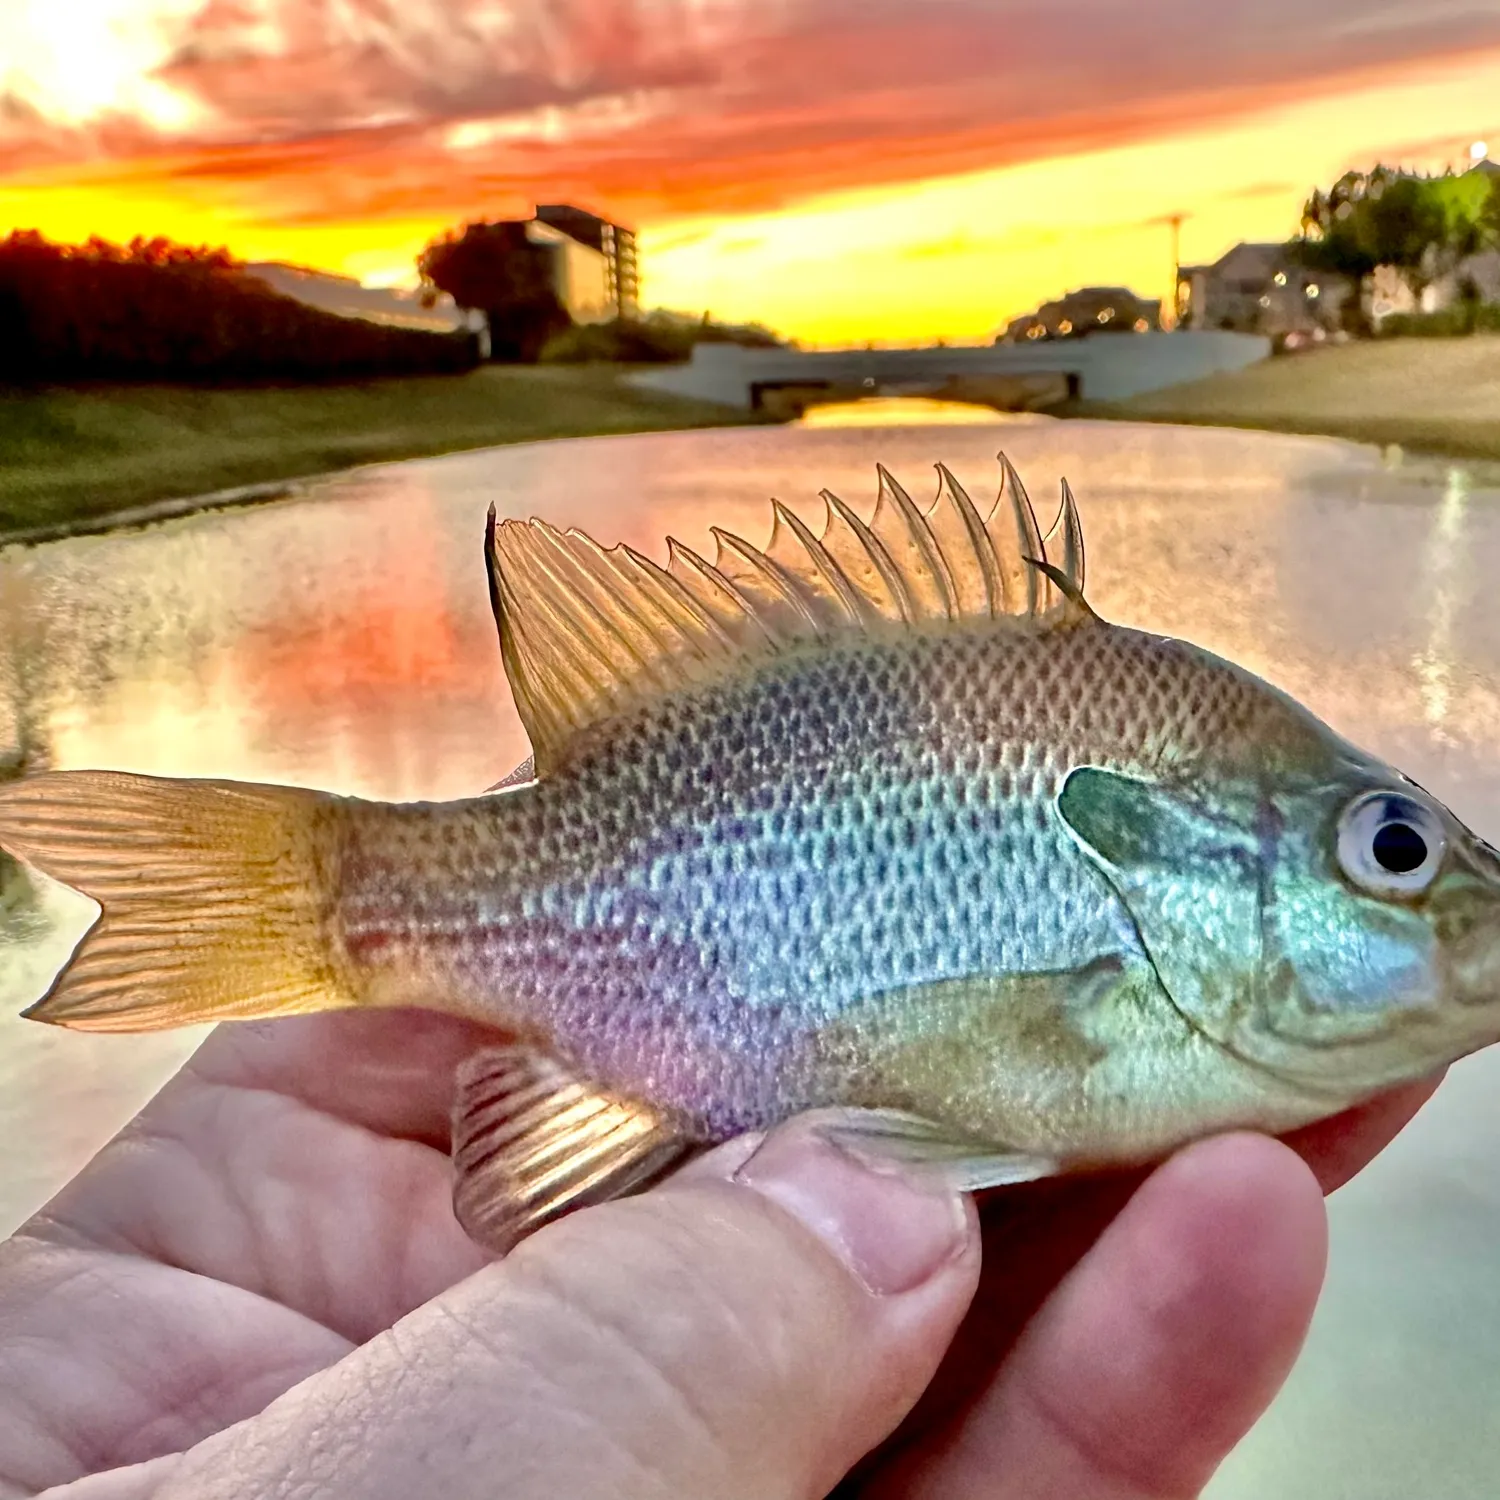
76	61
958	257
943	254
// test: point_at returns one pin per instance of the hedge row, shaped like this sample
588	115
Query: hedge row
157	311
1455	321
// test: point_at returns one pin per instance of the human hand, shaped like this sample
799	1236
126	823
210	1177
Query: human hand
259	1290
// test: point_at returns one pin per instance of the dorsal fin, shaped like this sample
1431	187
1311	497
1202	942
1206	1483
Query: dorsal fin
587	632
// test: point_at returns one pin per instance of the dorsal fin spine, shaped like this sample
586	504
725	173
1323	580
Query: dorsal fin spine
586	590
527	683
1071	559
1013	526
897	518
657	610
684	598
589	633
716	586
954	494
836	595
880	559
781	588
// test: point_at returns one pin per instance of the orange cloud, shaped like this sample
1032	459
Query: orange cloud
670	106
347	131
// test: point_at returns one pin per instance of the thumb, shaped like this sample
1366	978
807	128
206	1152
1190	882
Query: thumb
751	1329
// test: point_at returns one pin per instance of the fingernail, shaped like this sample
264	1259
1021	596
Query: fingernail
891	1232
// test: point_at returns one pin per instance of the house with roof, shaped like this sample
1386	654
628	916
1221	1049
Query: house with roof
1090	309
1260	288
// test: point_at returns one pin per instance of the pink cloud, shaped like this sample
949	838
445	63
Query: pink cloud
345	108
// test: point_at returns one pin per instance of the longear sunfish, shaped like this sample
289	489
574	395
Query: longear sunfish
885	820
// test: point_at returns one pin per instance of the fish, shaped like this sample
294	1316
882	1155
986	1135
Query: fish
884	822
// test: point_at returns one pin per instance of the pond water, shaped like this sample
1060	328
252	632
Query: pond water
343	640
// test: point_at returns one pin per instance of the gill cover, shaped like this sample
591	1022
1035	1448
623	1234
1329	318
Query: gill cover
1255	937
1189	873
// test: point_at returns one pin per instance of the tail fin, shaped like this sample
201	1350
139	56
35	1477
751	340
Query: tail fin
215	897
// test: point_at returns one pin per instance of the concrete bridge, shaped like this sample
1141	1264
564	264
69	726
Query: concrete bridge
1010	377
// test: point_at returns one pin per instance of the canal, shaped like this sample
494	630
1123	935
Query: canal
343	640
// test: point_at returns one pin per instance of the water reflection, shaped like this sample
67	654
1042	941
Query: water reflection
902	411
344	641
1433	664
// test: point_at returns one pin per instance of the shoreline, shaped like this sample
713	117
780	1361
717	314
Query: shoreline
1439	398
162	452
1412	439
1432	398
157	511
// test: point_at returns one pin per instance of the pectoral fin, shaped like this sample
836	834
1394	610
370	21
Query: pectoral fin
964	1163
530	1143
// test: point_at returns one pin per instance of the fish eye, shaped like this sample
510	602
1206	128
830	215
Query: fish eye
1390	844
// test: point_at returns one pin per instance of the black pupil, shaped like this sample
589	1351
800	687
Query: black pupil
1399	848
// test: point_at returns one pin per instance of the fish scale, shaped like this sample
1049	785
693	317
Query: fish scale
832	855
885	821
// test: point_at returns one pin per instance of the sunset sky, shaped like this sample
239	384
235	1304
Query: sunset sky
840	169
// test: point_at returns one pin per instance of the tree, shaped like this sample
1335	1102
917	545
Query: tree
496	269
1423	226
153	310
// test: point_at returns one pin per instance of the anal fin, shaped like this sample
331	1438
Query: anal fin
531	1143
963	1163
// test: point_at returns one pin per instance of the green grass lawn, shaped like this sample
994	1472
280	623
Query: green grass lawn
71	456
1435	395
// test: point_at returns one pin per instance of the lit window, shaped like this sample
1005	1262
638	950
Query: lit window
1280	278
1312	290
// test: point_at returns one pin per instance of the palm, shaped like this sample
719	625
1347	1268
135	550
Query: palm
287	1197
284	1199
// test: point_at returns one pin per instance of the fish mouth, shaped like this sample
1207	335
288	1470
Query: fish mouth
1466	915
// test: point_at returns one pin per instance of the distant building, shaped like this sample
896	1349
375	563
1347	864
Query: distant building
396	306
595	272
615	243
1258	288
1091	309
